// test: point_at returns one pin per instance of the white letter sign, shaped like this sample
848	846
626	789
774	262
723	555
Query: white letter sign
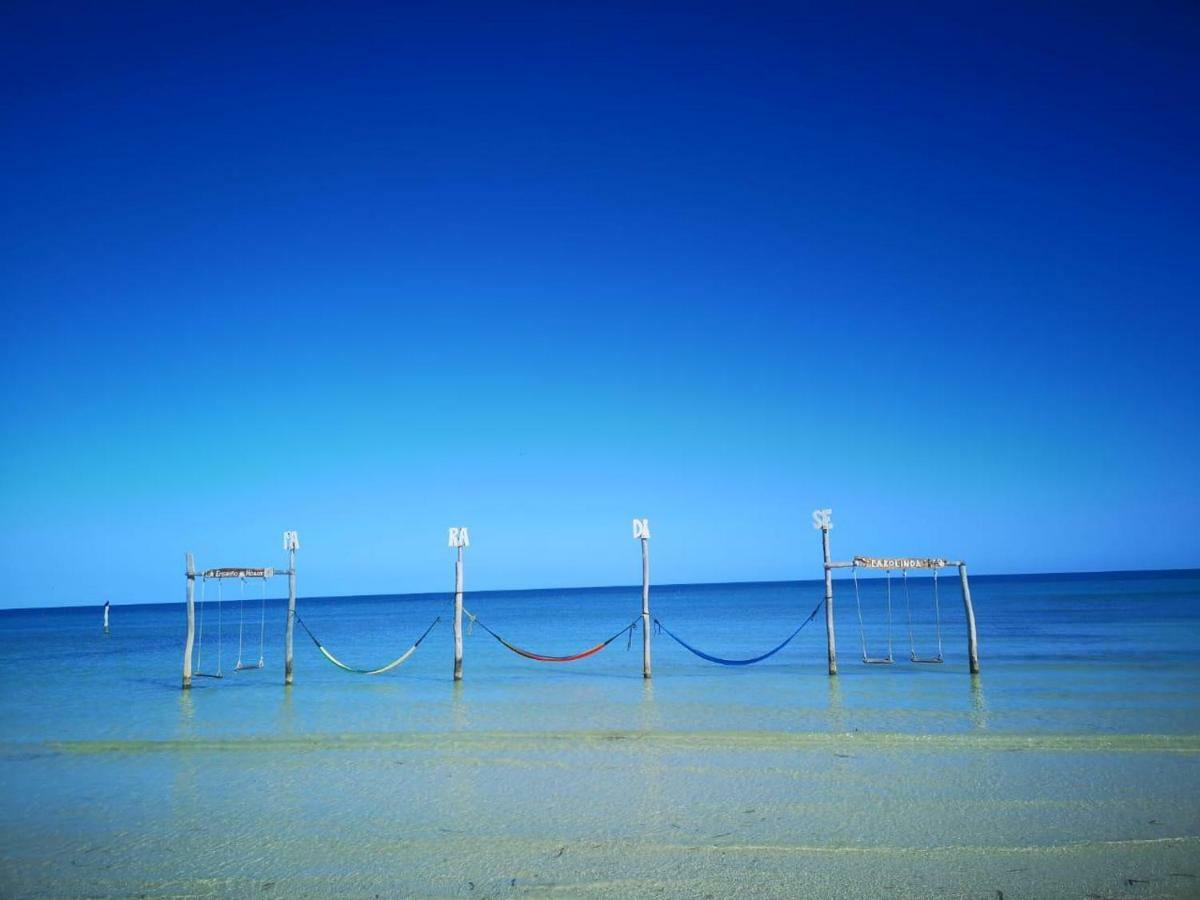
459	537
641	529
822	519
291	540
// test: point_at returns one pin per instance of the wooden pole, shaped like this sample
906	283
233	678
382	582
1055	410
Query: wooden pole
106	617
291	616
645	607
830	638
972	641
191	622
458	610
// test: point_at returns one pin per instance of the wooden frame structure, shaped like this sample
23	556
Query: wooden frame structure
822	520
291	543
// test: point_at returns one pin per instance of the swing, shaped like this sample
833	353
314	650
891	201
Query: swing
862	631
937	613
262	626
199	672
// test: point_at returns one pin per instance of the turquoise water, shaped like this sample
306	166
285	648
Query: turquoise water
1070	765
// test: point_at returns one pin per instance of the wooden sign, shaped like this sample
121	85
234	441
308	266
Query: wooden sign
641	529
871	562
291	540
822	519
459	537
239	573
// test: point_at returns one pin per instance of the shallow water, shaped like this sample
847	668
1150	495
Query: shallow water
1070	765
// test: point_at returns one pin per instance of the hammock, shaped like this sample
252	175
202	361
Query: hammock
739	662
541	657
393	664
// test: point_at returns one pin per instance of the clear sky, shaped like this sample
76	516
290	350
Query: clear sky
368	271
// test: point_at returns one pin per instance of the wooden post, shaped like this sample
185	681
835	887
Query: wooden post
641	531
106	617
458	591
972	641
821	519
645	607
290	542
191	622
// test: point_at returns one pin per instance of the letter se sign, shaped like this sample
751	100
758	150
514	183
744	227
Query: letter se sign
641	529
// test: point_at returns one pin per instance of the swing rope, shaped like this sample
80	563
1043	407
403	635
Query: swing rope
402	658
739	662
199	673
241	620
262	625
262	628
937	613
862	630
541	657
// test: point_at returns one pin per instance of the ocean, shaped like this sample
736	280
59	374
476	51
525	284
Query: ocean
1069	766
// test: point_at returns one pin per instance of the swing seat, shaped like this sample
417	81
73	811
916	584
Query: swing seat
929	660
242	667
878	660
206	675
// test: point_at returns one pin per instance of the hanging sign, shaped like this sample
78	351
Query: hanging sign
871	562
239	573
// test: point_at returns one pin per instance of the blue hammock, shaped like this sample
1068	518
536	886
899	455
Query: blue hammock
738	662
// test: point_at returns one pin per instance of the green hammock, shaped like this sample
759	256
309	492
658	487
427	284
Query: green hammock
393	664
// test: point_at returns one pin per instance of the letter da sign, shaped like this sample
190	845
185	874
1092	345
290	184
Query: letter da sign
641	529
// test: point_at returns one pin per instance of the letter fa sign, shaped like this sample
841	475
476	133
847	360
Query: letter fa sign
641	529
459	537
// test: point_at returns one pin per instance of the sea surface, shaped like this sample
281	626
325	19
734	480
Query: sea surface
1069	767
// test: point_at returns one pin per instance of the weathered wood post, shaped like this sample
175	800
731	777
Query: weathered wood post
641	531
972	641
459	538
191	622
291	541
106	617
823	519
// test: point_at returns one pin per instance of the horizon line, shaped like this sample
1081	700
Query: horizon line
614	587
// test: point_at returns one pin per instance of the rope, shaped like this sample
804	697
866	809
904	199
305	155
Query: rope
262	625
200	643
862	631
739	662
219	628
937	607
393	664
241	618
541	657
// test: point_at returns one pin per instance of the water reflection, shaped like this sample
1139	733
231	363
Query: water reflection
979	712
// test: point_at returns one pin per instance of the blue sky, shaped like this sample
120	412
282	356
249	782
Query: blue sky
371	271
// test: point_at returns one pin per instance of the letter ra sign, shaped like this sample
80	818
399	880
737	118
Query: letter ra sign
641	529
459	537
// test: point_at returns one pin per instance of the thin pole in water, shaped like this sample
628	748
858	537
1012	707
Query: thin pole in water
641	531
972	641
822	519
459	538
291	541
191	622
